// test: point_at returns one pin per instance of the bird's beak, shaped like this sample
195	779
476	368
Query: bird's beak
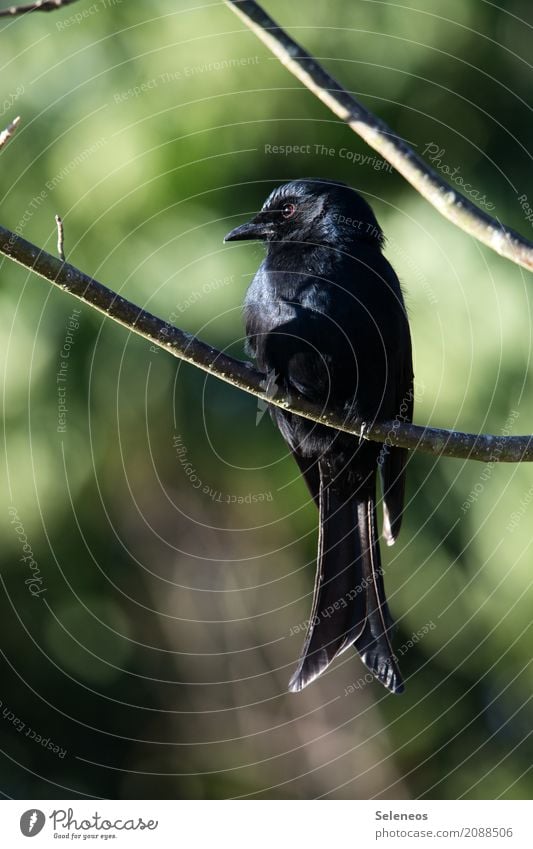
253	229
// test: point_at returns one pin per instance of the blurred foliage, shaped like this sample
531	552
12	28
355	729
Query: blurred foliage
159	654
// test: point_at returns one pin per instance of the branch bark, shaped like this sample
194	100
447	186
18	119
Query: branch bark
38	6
447	200
185	346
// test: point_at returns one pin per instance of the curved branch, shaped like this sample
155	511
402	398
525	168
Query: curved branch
185	346
448	201
38	6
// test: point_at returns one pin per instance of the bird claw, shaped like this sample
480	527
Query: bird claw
364	428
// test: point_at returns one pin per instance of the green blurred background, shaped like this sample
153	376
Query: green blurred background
174	539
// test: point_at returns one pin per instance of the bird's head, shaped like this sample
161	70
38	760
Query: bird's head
316	212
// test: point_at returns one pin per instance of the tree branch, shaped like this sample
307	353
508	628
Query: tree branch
185	346
447	200
9	132
38	6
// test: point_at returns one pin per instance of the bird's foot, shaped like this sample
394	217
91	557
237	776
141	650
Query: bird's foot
364	427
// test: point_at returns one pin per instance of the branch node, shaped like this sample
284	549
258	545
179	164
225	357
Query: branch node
9	131
60	238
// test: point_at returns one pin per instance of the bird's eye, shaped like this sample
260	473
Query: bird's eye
288	210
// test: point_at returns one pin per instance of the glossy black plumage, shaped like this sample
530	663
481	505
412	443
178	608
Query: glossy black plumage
325	318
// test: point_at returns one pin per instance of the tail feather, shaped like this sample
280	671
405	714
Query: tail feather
373	644
349	604
393	485
339	611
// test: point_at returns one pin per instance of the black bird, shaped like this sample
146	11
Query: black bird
326	320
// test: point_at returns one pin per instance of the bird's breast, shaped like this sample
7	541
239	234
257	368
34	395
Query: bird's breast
276	298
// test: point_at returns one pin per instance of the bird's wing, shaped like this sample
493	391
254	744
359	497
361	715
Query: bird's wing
311	474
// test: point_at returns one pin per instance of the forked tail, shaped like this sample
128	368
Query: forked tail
349	604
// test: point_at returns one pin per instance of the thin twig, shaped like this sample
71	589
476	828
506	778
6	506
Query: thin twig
38	6
9	131
447	200
60	238
185	346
